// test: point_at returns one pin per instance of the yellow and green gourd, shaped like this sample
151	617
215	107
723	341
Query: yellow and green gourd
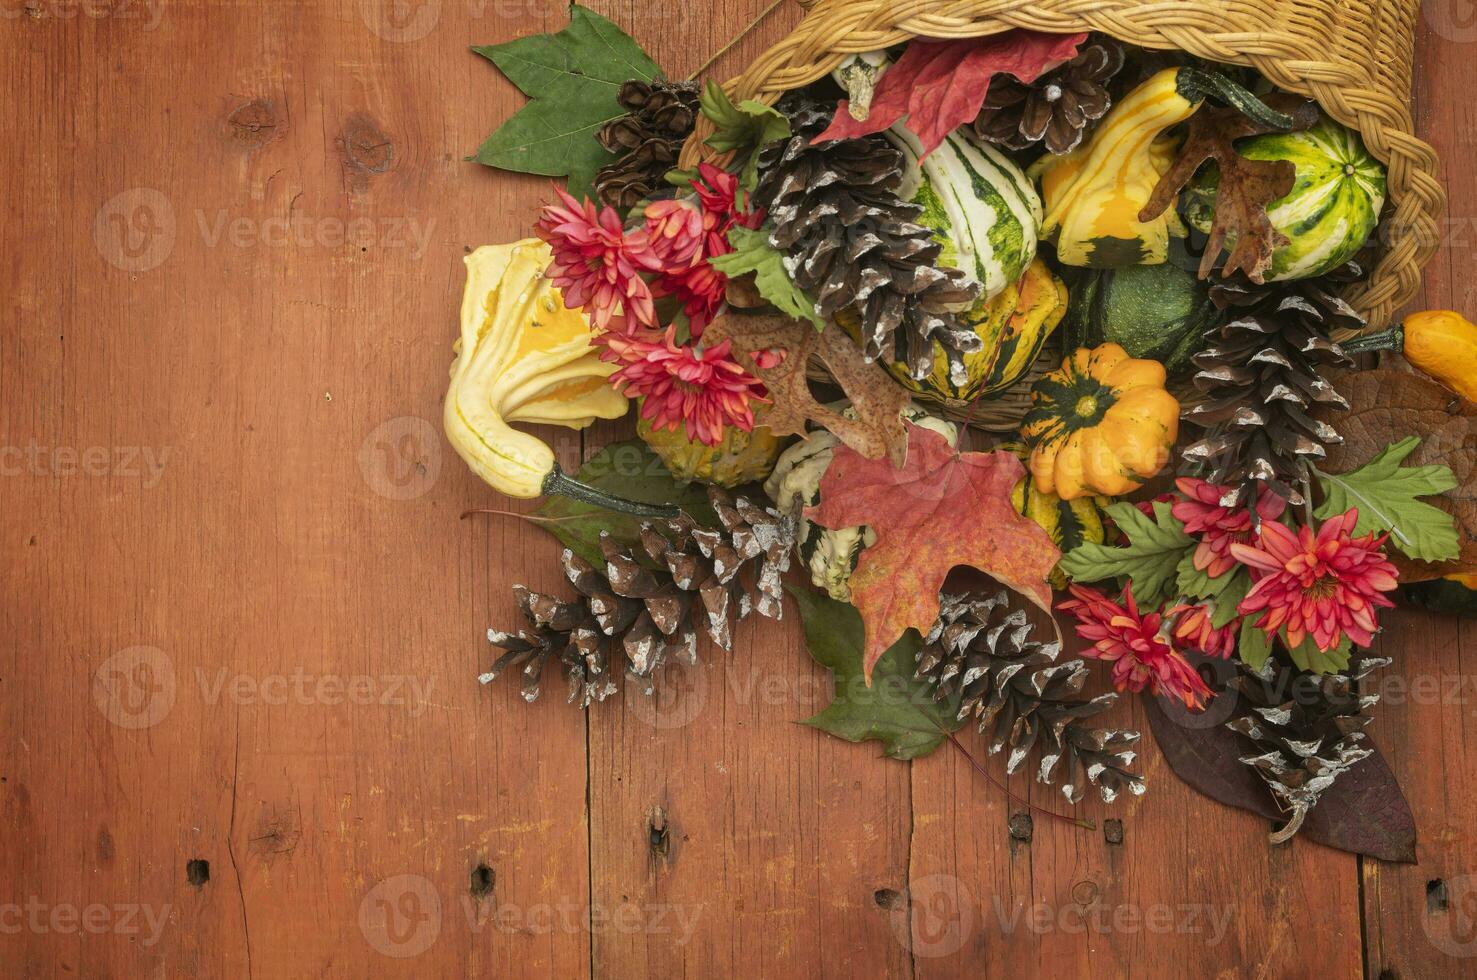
1094	195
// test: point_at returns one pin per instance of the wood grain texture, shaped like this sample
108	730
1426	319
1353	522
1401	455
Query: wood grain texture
241	620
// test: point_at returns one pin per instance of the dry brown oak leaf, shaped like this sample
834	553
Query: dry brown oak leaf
877	401
1386	406
1246	187
943	509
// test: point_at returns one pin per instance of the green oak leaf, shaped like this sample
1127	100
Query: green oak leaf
742	128
1385	493
1254	647
1150	561
897	710
627	469
572	79
1308	657
753	253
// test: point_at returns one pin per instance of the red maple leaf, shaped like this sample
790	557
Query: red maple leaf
943	508
941	85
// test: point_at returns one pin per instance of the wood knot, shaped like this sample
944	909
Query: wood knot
889	898
254	124
365	149
1021	826
659	834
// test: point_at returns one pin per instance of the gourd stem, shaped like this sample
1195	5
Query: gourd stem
1195	84
1392	339
556	484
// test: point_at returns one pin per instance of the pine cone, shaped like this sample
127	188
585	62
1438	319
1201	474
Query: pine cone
980	650
651	615
850	241
660	115
1308	730
1261	378
1058	108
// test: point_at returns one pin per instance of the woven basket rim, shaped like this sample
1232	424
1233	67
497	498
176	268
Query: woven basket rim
1368	97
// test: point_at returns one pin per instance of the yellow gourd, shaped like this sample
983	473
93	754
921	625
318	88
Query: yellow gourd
1093	195
1441	343
524	357
1101	424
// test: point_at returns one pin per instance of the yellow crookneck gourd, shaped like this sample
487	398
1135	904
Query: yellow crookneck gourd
524	357
1441	343
1093	196
1102	424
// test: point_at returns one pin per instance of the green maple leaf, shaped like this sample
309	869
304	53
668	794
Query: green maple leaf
753	253
1385	493
626	469
572	79
897	710
742	128
1150	561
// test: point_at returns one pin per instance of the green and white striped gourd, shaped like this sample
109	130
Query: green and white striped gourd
979	204
1330	212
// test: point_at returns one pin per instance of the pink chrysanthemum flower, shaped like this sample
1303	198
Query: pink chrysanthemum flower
597	263
1219	527
1325	585
1194	629
703	388
1135	645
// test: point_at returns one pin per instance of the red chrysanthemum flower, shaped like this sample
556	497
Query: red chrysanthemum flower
721	197
1325	585
703	388
1135	645
701	290
678	231
1219	527
597	263
1194	629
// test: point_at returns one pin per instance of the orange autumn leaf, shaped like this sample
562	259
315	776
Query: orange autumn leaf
942	509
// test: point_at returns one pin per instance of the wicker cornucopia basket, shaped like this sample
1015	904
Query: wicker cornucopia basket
1352	56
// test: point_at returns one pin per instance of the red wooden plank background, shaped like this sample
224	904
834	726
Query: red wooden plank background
241	620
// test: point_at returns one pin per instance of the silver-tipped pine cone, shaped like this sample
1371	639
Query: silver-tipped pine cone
851	242
1023	698
1308	730
1262	380
647	140
645	608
